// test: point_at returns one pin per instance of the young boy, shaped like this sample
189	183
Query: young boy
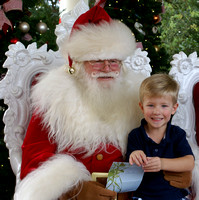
157	145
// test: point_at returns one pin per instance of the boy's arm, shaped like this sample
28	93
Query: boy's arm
181	164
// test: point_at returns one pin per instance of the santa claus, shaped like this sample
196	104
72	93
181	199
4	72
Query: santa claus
83	113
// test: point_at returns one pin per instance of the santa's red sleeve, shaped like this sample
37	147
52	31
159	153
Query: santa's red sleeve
44	173
36	147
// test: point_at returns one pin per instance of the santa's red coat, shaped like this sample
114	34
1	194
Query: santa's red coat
37	148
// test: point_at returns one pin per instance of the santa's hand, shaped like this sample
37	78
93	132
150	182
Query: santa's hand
178	179
90	190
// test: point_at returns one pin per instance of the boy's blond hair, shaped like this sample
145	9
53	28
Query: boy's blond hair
159	85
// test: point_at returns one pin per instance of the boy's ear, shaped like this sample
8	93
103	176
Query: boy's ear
175	106
141	106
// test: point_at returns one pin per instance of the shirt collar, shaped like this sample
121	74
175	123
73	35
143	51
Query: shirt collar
166	136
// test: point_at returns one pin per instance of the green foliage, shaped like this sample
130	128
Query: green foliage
180	27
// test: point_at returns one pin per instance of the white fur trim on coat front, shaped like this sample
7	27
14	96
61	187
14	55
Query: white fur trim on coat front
109	40
54	177
59	99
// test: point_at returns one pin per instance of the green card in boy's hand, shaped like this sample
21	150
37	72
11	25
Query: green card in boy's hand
123	177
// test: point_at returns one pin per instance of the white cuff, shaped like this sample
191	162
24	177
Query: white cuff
54	177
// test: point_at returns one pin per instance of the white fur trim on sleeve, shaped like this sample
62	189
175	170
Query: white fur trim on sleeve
54	177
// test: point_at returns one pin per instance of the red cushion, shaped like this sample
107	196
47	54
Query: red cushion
196	105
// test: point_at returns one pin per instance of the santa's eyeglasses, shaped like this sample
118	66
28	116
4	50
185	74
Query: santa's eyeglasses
99	64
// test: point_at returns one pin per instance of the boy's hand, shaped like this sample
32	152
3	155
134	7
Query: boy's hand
153	164
138	157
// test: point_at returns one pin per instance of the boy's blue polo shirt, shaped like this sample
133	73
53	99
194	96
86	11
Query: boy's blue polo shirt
173	145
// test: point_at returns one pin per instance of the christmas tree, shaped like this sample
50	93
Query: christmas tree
143	17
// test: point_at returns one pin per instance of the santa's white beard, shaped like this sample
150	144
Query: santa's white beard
81	112
105	98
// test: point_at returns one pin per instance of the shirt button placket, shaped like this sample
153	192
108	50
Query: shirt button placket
155	151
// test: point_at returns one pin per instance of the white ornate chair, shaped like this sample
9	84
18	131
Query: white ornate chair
22	64
185	70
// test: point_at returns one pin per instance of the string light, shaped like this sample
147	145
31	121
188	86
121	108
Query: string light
156	17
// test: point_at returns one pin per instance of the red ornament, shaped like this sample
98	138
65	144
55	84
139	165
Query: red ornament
14	40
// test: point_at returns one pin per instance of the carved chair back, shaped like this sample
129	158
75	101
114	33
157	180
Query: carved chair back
185	70
23	65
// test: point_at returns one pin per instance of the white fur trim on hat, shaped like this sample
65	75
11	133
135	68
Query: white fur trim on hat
54	177
107	40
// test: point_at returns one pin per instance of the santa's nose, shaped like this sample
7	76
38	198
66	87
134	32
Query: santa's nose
107	66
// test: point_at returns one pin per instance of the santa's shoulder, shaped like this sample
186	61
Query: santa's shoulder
52	86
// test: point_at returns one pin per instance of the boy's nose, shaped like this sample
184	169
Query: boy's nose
156	111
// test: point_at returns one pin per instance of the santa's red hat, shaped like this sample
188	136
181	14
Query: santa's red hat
95	36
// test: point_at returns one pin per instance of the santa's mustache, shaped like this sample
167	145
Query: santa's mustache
114	74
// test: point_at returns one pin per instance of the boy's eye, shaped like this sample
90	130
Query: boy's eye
164	106
150	105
